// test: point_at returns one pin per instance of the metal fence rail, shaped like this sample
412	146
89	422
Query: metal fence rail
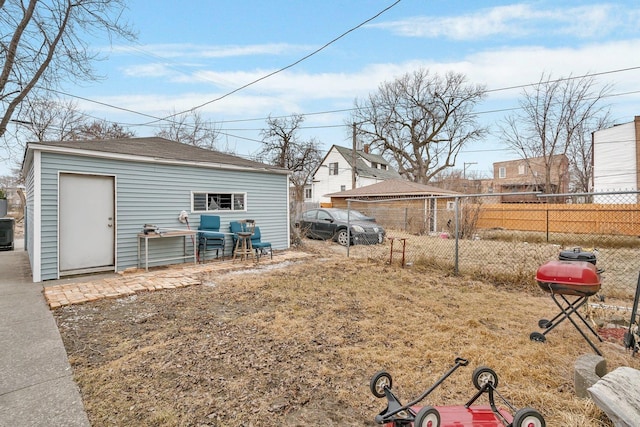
459	233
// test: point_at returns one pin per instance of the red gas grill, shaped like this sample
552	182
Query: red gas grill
579	279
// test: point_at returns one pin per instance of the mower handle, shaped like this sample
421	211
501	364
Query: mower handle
459	361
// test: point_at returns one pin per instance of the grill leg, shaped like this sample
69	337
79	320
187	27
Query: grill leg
573	310
584	320
571	306
565	312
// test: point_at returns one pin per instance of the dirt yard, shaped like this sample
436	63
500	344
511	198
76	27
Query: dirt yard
296	345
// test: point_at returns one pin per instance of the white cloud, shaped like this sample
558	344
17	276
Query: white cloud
190	50
291	91
304	92
518	20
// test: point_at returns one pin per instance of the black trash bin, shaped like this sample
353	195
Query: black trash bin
6	234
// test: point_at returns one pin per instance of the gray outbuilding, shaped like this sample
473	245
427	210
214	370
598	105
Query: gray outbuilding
87	201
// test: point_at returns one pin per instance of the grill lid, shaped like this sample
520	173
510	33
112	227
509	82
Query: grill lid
568	273
569	277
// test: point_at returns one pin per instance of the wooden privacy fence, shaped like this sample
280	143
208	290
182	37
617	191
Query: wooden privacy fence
618	219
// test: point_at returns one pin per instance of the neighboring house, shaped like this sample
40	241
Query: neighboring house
402	205
335	172
616	160
519	176
88	200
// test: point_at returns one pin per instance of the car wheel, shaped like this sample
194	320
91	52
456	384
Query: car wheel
343	237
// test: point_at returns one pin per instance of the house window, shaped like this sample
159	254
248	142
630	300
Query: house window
451	206
502	172
520	169
383	167
374	165
307	193
208	202
333	168
343	187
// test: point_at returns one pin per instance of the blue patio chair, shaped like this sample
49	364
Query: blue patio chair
209	236
260	246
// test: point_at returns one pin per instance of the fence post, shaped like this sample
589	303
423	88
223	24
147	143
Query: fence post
406	219
547	225
457	231
348	226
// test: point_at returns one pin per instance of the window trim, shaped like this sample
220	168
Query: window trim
333	168
207	193
502	172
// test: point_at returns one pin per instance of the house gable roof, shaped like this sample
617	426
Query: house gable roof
151	149
394	188
362	167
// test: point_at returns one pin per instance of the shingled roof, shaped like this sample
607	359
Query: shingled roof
152	148
394	188
363	169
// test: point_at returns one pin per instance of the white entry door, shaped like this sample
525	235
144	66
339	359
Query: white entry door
86	217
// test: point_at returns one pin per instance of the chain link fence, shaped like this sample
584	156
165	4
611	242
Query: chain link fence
505	238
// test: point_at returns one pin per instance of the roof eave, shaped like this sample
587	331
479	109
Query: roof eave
146	159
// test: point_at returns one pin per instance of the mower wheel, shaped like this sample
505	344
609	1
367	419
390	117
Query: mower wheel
428	416
537	336
544	323
528	417
483	375
378	383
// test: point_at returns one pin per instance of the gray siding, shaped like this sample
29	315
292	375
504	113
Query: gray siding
155	194
29	214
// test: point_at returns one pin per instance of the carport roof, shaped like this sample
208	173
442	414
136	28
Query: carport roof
394	188
149	149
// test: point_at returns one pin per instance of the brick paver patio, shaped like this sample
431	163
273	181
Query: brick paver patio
132	282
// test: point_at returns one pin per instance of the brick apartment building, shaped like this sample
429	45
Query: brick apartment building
516	176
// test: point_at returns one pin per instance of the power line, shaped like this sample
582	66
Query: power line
288	66
564	79
157	119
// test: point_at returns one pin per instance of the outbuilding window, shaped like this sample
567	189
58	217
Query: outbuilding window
209	202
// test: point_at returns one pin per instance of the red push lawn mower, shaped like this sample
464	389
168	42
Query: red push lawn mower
484	379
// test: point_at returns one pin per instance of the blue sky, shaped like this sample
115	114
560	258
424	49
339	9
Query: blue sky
190	53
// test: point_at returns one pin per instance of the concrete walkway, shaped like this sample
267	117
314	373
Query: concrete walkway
37	387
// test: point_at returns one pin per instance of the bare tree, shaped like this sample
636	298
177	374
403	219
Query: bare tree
52	120
556	119
580	155
190	128
102	129
43	43
282	147
422	120
49	120
457	180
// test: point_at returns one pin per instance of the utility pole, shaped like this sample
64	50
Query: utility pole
464	169
353	157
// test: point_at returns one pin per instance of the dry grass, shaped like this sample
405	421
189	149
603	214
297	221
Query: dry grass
297	346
